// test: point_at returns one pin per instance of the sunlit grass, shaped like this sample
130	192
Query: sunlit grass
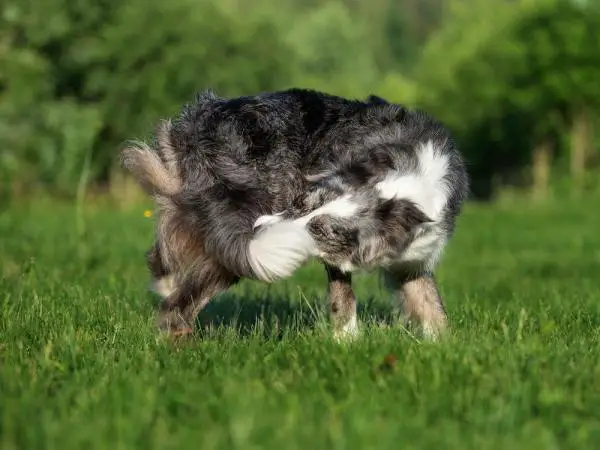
82	366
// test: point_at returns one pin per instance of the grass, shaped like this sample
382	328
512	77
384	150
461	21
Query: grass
81	365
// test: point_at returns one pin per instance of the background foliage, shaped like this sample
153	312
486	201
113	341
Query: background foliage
515	80
81	363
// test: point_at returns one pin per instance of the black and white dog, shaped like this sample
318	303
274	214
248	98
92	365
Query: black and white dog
254	186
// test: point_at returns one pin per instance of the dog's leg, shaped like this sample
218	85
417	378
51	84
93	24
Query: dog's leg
163	282
342	303
179	310
421	302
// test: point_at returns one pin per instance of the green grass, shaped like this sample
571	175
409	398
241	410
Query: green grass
82	365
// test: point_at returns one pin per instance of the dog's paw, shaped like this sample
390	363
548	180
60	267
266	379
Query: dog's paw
181	332
347	332
433	332
172	323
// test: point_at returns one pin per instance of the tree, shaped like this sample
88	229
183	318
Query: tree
48	125
510	84
329	44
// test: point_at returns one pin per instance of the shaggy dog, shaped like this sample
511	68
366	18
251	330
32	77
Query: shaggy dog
254	186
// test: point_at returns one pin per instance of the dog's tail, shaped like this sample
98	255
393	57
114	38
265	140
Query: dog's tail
279	247
154	170
277	251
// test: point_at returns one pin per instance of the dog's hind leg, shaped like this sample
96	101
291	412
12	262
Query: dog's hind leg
421	302
197	287
342	303
163	281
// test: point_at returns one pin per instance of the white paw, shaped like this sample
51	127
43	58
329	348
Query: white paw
347	332
431	331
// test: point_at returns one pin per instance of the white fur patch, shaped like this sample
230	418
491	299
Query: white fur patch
164	286
267	220
347	331
277	251
347	266
426	248
430	331
426	187
340	207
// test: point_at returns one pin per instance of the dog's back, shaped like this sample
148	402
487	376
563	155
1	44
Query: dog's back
267	142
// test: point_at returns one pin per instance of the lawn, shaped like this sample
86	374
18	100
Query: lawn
82	366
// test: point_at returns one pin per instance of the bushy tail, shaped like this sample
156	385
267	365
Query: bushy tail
282	246
278	250
155	171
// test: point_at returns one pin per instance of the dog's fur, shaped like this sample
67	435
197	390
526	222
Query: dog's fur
254	186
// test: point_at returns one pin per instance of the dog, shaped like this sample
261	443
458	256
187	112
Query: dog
254	186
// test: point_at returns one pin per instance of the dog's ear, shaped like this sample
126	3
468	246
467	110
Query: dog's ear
377	100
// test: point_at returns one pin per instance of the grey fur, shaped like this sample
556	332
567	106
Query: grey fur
227	162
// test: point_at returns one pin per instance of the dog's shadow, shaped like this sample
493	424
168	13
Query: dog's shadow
273	316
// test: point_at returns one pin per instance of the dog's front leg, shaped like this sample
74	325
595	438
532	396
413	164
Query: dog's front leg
421	302
342	303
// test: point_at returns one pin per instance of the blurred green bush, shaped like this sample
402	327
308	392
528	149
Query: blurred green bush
517	81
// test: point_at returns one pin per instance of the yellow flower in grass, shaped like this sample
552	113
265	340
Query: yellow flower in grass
147	213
